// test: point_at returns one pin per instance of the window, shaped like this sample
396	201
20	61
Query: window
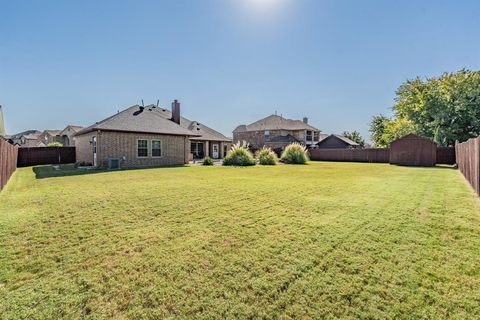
156	148
196	148
315	136
309	135
267	134
142	148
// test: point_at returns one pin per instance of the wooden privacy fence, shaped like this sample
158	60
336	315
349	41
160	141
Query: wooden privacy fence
446	155
468	160
45	155
8	161
351	155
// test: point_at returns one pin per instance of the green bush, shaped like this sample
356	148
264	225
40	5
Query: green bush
239	155
84	164
55	144
207	161
295	153
266	156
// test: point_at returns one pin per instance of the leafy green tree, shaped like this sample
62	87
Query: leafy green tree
377	130
445	108
356	137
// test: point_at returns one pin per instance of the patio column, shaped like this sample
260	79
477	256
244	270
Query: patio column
207	149
221	150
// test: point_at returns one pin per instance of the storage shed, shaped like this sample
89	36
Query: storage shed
413	150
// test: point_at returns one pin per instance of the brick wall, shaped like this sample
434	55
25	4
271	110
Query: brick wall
123	145
84	147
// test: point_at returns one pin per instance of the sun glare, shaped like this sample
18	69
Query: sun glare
264	8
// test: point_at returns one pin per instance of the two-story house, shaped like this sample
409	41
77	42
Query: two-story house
277	132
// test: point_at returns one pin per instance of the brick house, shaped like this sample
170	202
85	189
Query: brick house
49	136
66	136
27	138
277	132
144	137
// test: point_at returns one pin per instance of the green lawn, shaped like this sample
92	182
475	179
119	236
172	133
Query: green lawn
324	240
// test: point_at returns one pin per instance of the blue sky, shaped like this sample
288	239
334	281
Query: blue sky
228	61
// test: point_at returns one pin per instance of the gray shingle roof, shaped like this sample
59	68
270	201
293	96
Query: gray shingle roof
206	133
155	120
134	119
36	133
53	132
344	139
275	122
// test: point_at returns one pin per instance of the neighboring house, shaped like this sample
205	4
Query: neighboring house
66	136
27	138
146	136
277	132
2	124
49	136
335	141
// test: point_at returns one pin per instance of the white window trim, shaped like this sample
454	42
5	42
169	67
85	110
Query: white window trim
151	148
136	149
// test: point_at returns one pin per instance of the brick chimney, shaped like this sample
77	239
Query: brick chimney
305	120
176	111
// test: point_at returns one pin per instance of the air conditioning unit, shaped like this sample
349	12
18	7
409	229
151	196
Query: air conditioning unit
113	163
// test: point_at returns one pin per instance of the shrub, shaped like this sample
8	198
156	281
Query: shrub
207	161
55	144
266	156
295	153
239	155
84	164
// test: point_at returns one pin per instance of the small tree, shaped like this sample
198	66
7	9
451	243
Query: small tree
55	144
355	137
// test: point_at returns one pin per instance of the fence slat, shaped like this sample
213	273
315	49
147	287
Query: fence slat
8	161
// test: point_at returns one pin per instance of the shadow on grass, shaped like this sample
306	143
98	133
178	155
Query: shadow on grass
66	170
438	166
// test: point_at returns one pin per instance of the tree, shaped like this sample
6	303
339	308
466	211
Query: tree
445	109
356	137
377	130
55	144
